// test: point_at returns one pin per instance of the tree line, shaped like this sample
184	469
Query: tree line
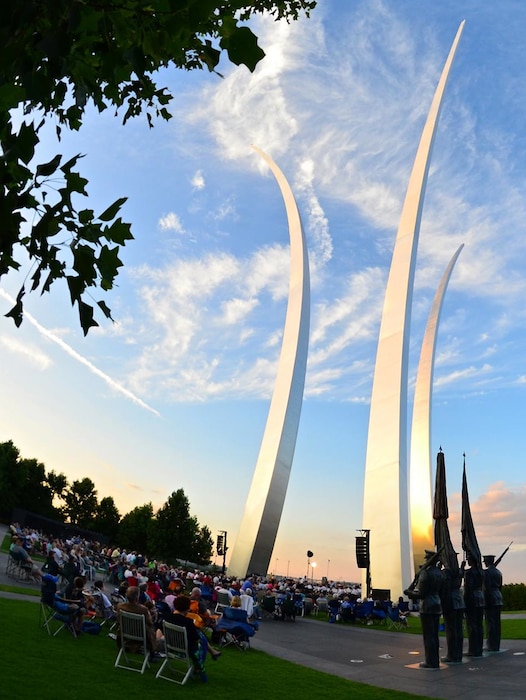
170	533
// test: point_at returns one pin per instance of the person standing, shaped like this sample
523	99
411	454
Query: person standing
494	602
474	600
427	588
453	607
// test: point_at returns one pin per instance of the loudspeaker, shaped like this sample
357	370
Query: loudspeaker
381	594
362	552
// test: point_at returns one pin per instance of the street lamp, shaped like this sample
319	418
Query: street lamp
309	556
313	566
328	564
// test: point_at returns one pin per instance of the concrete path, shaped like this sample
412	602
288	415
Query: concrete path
380	658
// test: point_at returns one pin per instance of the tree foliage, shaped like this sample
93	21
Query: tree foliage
9	478
81	503
135	529
175	530
58	56
169	534
107	518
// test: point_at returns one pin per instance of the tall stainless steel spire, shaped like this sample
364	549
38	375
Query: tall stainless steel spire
259	526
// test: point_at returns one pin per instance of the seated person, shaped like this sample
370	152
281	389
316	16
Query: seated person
101	602
197	642
347	610
132	605
154	589
268	604
50	565
20	554
248	604
379	611
69	610
235	617
288	608
199	610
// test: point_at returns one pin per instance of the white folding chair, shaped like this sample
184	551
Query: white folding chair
176	655
132	635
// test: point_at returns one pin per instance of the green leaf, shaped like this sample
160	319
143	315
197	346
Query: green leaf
118	232
17	312
112	210
26	141
105	309
242	47
76	287
10	96
86	317
47	169
84	263
108	264
85	216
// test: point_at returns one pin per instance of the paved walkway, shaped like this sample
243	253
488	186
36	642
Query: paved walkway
384	659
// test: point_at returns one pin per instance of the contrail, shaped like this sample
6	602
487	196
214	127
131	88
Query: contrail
73	353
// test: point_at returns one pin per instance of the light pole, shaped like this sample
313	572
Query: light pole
328	564
276	567
309	555
288	564
313	566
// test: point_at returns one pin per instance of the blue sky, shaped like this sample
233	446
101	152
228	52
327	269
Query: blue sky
176	392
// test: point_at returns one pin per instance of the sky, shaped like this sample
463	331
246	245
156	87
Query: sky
176	392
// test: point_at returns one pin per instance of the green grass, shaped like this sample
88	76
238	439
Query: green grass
18	589
54	668
510	629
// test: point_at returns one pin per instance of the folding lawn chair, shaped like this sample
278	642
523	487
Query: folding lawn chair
223	601
133	653
334	610
362	611
54	615
395	619
54	621
177	655
235	629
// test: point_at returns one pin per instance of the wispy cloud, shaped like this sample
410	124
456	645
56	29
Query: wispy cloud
345	133
30	352
171	222
115	386
198	180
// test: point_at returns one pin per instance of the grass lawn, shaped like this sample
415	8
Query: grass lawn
34	664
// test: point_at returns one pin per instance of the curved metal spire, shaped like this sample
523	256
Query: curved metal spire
420	490
385	509
259	526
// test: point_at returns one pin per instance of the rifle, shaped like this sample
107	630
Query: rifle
432	561
497	561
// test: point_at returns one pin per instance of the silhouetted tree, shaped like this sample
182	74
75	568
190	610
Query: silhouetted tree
80	503
10	478
107	518
135	529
